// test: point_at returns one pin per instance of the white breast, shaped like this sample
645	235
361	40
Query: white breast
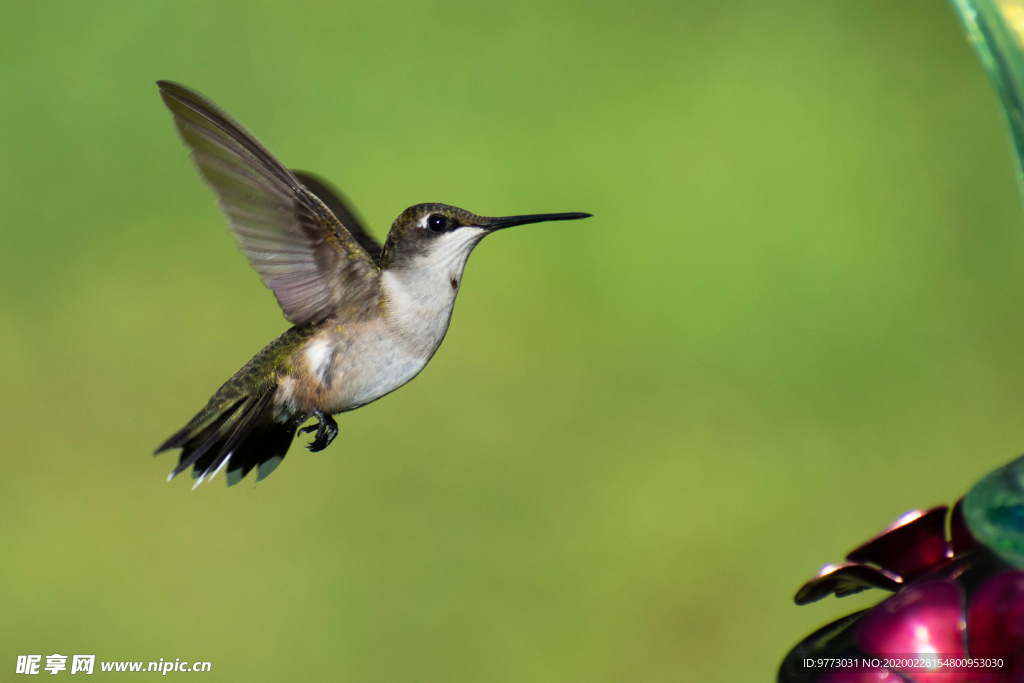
384	364
417	308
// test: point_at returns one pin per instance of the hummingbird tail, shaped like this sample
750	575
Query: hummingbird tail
239	435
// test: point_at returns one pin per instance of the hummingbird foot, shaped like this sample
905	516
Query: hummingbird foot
326	429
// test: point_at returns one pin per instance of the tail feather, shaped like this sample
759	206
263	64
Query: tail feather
207	420
263	450
210	439
253	410
238	435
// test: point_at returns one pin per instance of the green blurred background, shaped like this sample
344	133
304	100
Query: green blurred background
798	312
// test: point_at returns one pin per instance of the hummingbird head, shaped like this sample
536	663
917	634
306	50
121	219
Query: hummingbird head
441	237
423	259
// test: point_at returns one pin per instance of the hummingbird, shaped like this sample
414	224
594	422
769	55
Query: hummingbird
366	318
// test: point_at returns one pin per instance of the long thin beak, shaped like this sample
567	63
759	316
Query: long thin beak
508	221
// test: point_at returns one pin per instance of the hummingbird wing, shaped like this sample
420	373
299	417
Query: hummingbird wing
302	251
334	200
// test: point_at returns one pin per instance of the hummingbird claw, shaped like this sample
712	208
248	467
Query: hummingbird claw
326	429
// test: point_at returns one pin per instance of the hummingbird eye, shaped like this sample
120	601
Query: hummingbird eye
437	222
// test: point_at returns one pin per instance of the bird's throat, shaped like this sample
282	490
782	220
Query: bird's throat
417	305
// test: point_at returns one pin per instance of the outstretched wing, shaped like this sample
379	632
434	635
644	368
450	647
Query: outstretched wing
301	250
332	197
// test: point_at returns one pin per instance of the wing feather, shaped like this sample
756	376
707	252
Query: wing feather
312	260
340	208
